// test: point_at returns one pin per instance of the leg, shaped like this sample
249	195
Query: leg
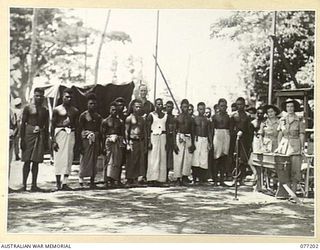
81	181
295	171
16	148
25	174
92	184
35	170
64	183
222	168
58	179
215	165
194	174
203	175
185	180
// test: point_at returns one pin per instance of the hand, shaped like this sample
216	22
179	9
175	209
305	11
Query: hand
209	146
104	151
149	146
192	148
129	147
55	146
22	145
176	149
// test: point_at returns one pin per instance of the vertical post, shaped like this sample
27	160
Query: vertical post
155	64
96	70
274	17
187	78
32	68
85	60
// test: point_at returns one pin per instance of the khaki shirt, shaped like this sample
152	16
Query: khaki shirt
269	131
290	142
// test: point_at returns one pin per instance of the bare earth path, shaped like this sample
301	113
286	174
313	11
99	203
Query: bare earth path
153	210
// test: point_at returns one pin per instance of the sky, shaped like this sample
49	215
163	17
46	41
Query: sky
196	67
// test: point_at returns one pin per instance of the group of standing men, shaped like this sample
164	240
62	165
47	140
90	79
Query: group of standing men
146	140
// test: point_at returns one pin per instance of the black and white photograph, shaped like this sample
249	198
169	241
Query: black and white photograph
161	122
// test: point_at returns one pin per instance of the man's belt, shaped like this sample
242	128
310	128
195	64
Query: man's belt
162	132
67	128
186	135
196	137
136	139
291	137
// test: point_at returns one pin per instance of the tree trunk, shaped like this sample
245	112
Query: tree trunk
96	70
33	50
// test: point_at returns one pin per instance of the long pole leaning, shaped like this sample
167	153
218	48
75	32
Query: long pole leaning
96	70
165	81
156	55
274	19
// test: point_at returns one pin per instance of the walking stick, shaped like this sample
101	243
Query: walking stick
236	171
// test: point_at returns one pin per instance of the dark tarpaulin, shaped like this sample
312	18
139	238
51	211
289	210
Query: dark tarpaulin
105	95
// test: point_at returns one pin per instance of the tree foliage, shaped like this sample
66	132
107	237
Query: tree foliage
60	55
295	35
59	46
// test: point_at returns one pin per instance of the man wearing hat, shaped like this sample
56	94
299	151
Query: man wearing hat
291	139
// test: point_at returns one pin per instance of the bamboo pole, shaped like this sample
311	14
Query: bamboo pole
165	81
187	79
274	18
156	59
100	48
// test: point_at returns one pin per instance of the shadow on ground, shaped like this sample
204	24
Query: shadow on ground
171	210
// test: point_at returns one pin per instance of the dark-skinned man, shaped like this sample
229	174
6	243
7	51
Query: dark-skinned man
157	139
184	145
221	141
34	137
240	124
112	130
122	115
170	136
135	134
64	135
89	127
202	143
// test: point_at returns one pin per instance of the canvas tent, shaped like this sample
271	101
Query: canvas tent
105	95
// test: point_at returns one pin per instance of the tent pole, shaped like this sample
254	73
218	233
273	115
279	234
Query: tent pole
96	69
156	56
187	78
274	18
165	81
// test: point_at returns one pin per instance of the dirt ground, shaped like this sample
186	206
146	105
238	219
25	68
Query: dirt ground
152	210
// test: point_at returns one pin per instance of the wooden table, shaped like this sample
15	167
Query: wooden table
281	164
